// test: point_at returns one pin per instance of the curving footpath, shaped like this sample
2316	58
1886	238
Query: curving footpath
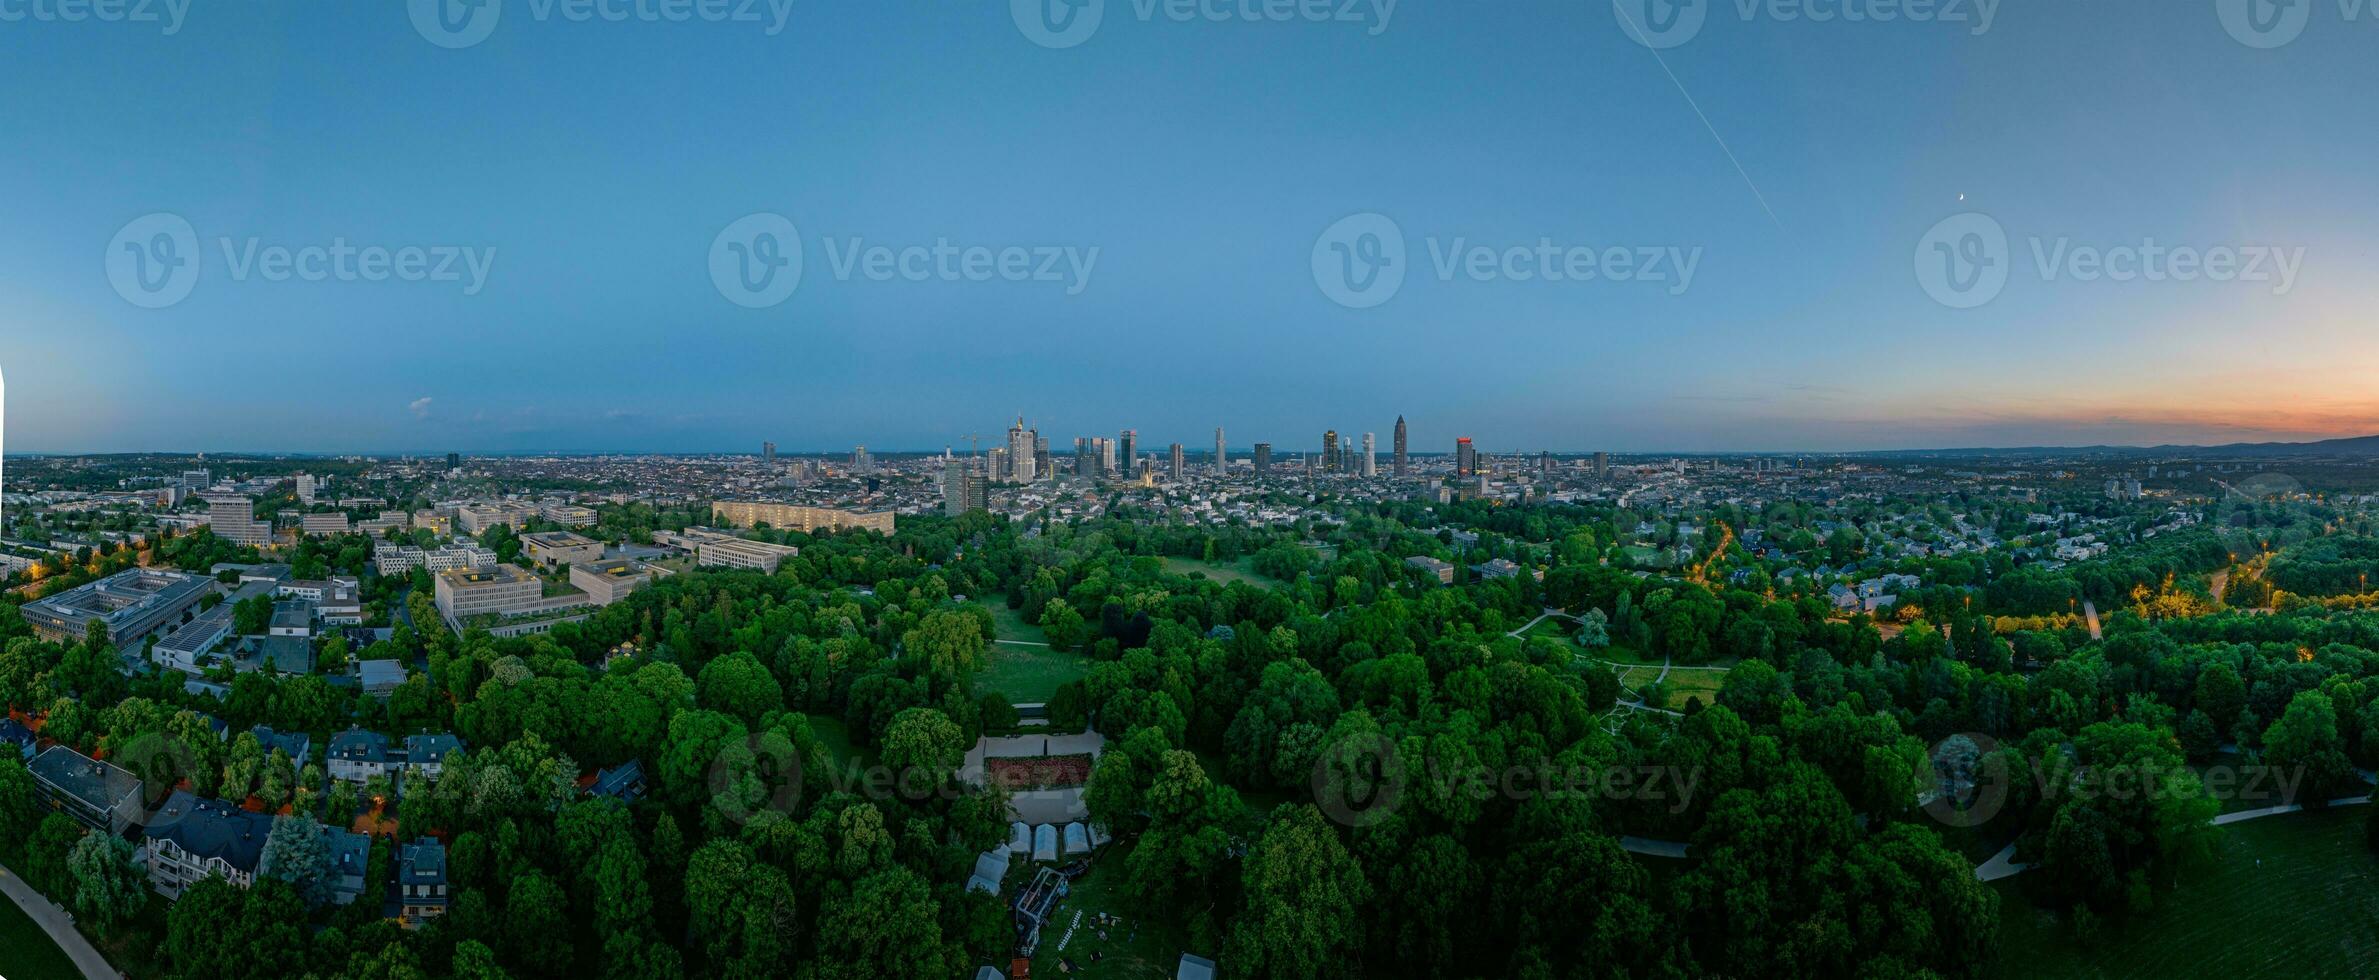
59	925
2003	864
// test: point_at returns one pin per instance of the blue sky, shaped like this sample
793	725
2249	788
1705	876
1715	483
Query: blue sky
600	161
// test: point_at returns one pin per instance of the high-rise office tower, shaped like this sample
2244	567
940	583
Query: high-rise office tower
1370	454
305	487
1176	471
1085	464
1041	458
768	453
1544	463
1466	458
1402	461
454	461
1106	449
1330	450
1222	460
1602	466
1127	441
1263	459
862	463
1022	466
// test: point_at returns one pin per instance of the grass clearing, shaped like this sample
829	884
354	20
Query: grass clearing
26	952
1559	629
2294	896
1029	674
1010	624
1223	572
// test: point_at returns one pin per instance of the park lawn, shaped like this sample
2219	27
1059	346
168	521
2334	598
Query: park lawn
1011	624
1135	947
1030	675
1559	629
1224	572
1685	685
26	952
2310	908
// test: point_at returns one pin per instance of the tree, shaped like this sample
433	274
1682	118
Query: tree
298	851
252	616
2306	740
110	884
45	853
739	685
888	926
740	913
2220	693
1304	897
20	810
923	748
1063	625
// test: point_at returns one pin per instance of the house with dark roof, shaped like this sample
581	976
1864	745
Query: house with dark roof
189	839
350	854
296	745
14	734
623	782
425	754
421	881
97	795
356	755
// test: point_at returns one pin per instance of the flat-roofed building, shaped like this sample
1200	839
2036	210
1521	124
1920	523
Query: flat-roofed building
132	604
567	515
477	518
497	589
232	517
1444	571
556	548
714	549
436	523
323	524
97	795
797	517
606	582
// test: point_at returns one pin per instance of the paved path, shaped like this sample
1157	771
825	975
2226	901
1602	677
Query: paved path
1020	643
59	925
2003	864
2090	609
1549	613
1655	848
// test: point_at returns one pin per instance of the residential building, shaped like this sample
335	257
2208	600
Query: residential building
350	856
421	881
552	549
16	739
1263	460
964	489
425	754
232	517
357	755
752	513
190	839
97	795
298	746
1443	570
132	604
610	580
624	782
